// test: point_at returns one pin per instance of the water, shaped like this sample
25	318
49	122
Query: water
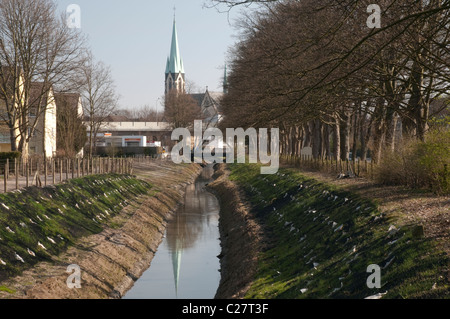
186	264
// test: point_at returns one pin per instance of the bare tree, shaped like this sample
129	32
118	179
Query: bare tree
99	98
314	69
181	110
36	45
71	131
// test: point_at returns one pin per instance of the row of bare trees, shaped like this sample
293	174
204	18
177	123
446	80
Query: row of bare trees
37	46
316	70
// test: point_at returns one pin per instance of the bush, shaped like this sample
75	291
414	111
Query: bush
10	155
419	164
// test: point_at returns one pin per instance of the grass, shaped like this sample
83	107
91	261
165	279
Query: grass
322	239
38	223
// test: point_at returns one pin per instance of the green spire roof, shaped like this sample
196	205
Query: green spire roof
174	61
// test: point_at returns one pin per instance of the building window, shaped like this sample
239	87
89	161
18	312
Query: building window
5	138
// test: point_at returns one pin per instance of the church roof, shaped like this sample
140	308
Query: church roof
174	61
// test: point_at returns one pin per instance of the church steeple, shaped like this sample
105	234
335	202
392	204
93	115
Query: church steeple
175	76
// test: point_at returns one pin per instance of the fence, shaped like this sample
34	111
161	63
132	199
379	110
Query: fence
351	168
19	173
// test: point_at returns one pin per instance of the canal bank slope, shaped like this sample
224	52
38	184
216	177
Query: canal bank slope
241	237
291	236
113	259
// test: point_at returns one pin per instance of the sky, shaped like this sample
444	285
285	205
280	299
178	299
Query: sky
133	37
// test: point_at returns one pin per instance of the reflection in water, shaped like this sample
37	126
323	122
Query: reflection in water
189	250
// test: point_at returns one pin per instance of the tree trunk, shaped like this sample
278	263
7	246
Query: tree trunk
12	137
326	141
345	137
337	139
317	138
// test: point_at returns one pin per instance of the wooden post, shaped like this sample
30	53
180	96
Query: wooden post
67	169
27	176
37	172
45	171
53	171
6	176
7	169
72	167
60	170
16	172
359	167
371	169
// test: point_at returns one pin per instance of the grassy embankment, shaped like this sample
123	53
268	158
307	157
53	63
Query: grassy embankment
38	223
322	239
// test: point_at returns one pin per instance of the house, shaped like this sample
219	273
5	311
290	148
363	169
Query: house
42	113
11	93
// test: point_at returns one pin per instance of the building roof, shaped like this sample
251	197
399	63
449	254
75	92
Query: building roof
136	126
71	99
39	94
174	61
209	102
68	100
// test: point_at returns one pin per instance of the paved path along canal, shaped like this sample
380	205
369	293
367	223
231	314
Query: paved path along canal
185	265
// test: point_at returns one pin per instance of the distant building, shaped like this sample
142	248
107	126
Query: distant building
41	111
209	103
43	140
134	134
175	79
8	96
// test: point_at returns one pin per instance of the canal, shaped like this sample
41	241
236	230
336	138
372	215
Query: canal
185	265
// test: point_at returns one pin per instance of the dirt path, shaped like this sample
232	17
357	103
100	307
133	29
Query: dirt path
113	260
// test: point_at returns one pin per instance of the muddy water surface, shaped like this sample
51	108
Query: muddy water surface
186	264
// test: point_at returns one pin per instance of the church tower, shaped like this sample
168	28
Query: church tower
175	76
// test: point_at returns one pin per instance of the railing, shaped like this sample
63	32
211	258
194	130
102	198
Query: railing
20	173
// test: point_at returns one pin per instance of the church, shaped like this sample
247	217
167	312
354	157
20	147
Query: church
175	79
124	133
